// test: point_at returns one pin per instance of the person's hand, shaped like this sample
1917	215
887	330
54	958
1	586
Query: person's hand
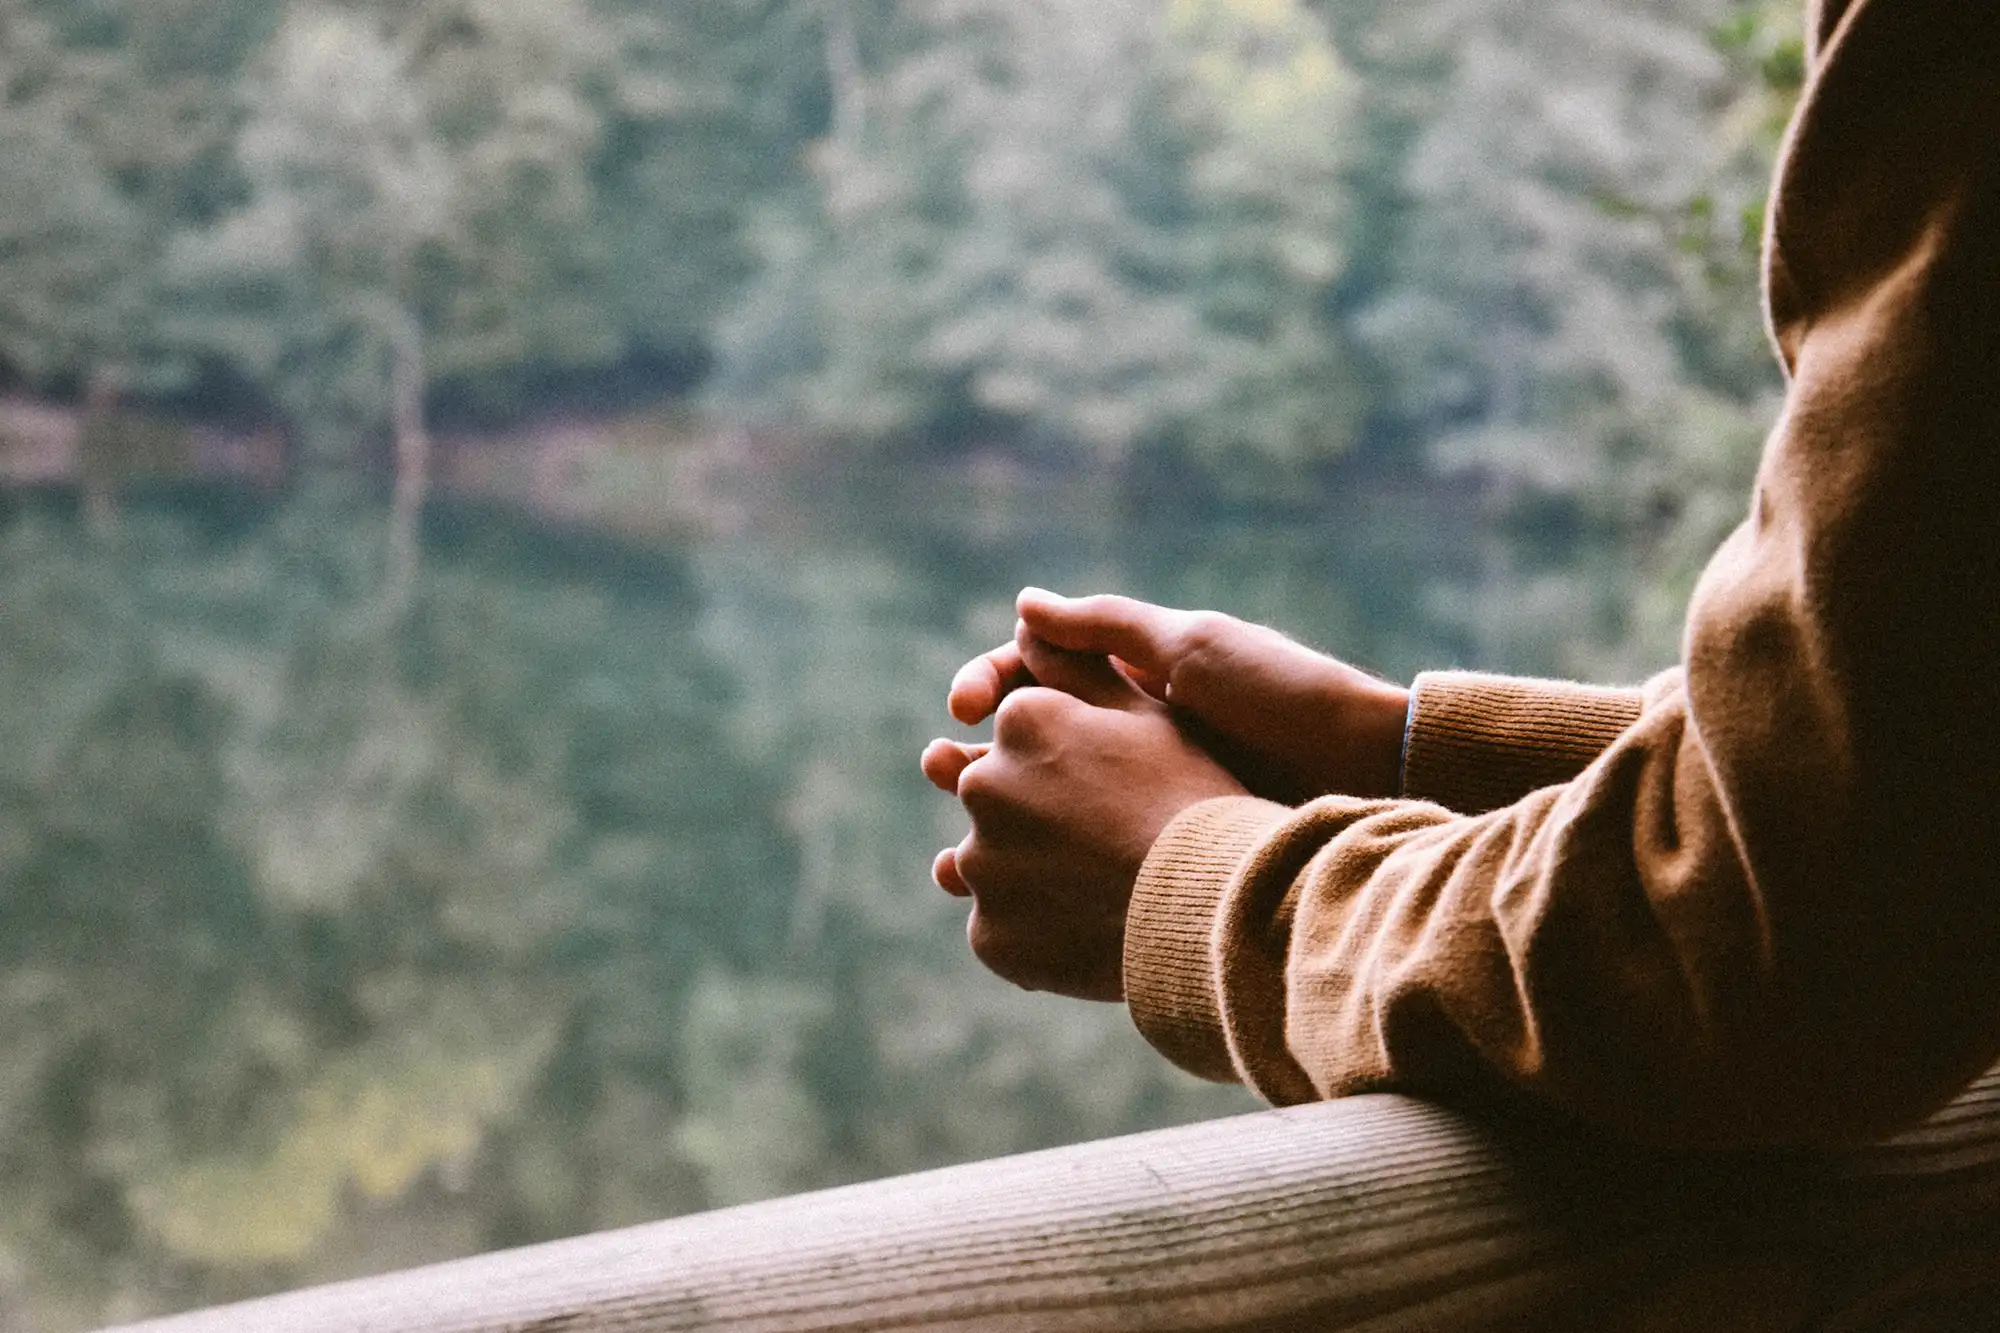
1065	803
1290	723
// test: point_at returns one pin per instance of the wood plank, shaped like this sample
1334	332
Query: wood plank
1375	1213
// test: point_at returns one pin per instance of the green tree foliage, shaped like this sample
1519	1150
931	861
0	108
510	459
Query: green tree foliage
1571	312
704	124
517	278
508	191
1151	225
116	134
116	131
1271	117
71	241
347	183
1112	225
67	240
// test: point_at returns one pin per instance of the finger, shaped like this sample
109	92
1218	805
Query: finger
1135	632
944	872
1152	682
991	788
943	760
983	682
1089	677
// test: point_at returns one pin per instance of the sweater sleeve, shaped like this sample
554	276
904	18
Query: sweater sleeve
1478	742
1767	911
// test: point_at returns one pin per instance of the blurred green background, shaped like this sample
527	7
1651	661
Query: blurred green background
492	492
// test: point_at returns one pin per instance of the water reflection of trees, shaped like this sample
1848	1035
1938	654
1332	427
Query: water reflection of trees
573	901
591	890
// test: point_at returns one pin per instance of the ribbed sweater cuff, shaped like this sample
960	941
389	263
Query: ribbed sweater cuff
1170	955
1479	742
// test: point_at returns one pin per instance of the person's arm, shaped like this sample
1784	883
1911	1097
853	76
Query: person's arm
1768	911
1294	724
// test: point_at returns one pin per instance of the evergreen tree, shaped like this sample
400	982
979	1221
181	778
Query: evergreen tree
310	287
72	245
1571	313
711	107
517	279
118	126
1112	225
1270	118
73	297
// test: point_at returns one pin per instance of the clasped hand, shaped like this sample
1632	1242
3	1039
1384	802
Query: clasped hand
1111	717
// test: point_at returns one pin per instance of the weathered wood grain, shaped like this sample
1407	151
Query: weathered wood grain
1374	1213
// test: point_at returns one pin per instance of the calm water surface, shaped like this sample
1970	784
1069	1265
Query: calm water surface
596	892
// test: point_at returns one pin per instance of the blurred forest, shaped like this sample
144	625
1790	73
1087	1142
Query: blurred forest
388	873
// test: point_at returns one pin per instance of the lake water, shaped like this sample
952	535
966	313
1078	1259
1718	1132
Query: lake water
597	891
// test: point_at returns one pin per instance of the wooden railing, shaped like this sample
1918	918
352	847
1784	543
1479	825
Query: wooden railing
1375	1213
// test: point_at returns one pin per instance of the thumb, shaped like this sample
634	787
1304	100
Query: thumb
1135	632
1086	676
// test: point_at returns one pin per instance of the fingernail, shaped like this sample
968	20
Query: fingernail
1043	595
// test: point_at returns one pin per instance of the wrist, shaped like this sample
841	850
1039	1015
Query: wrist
1375	717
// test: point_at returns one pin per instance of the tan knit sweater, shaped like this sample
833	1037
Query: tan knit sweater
1757	901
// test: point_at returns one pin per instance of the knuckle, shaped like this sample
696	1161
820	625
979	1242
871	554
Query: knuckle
987	943
975	863
1206	632
978	787
1004	952
1023	714
1014	712
1206	641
